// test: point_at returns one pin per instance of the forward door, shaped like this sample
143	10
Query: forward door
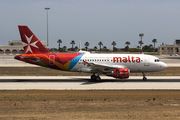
146	61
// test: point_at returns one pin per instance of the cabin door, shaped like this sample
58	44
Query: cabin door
146	61
51	59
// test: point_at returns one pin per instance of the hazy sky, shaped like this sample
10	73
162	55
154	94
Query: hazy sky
92	21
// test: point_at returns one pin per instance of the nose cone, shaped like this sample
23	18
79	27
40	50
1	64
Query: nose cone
163	66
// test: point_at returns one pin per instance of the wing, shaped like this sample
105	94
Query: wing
103	67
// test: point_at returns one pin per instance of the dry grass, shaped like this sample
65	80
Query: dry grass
41	71
88	105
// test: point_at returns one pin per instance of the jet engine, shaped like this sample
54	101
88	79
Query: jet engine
122	73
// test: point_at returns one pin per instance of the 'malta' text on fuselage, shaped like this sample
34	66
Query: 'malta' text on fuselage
127	59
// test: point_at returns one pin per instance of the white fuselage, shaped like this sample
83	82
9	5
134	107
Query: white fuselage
134	62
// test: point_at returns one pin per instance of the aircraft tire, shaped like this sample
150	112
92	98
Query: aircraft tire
98	79
144	78
93	77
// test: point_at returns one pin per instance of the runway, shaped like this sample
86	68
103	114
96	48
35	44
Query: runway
84	83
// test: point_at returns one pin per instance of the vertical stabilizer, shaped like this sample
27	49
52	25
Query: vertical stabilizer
30	42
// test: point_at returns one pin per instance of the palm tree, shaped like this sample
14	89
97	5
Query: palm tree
76	48
64	48
100	43
59	41
72	42
138	47
151	47
140	42
127	43
154	41
86	44
95	48
104	48
113	44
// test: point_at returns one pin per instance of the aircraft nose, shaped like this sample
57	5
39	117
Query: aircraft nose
163	66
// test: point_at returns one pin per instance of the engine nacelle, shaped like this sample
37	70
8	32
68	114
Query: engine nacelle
119	73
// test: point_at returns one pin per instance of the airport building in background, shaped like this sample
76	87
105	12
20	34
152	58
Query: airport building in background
15	47
169	49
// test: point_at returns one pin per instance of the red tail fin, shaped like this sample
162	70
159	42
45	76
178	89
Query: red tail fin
30	42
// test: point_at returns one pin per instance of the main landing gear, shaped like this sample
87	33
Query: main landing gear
144	76
94	77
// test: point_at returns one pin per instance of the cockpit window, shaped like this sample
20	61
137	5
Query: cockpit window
156	60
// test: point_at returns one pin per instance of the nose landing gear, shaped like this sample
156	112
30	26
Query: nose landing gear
144	76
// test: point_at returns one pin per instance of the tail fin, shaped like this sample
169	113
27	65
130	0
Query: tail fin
30	42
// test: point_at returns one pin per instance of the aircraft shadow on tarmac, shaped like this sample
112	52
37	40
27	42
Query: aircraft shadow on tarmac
88	81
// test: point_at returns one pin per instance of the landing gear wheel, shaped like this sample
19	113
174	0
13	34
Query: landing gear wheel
93	77
98	78
144	78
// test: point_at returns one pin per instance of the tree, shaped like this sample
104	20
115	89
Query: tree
53	50
59	41
86	44
100	44
150	45
95	48
133	50
154	41
115	49
64	48
72	42
113	44
148	48
140	43
105	47
138	47
127	43
126	49
76	48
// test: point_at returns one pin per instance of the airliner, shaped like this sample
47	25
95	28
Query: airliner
114	65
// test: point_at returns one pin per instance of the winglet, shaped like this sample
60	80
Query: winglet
31	43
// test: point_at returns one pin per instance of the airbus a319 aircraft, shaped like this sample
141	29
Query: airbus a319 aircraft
114	65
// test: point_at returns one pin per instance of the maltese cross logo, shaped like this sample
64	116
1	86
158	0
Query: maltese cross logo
29	44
